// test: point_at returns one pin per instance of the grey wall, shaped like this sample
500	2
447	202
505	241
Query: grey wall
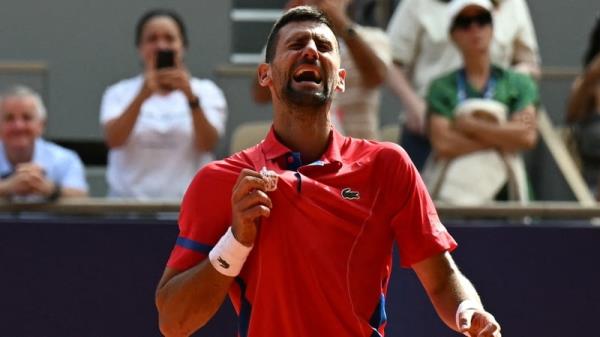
89	44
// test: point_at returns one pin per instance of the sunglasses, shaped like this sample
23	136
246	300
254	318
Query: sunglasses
464	22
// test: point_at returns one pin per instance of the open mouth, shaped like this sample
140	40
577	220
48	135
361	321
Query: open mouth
307	75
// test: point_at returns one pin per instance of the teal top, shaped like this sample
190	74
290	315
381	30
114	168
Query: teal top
515	90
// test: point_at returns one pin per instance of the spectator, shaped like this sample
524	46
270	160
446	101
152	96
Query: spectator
584	111
161	126
32	168
422	52
480	107
365	53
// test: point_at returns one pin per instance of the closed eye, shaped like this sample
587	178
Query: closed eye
296	46
324	46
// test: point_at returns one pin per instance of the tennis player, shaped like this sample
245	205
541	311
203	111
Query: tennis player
304	249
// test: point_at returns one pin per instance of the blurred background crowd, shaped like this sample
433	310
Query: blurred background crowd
130	99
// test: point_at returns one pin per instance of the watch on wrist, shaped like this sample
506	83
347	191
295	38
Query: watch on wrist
194	103
56	192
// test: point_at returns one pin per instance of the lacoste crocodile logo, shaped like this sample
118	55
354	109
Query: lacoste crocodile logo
349	194
223	263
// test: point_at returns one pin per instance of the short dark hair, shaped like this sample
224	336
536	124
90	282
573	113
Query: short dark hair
594	45
157	12
296	14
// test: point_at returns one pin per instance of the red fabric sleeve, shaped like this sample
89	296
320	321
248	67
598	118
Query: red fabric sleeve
204	216
417	227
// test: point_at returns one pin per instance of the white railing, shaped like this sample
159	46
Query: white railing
107	206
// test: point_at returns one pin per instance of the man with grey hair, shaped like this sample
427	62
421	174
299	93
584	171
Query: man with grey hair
32	168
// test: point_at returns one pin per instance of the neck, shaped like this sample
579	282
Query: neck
303	130
477	68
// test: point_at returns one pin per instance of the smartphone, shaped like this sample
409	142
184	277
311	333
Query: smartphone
165	59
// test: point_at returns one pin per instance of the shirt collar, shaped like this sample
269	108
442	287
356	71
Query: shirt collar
272	147
5	165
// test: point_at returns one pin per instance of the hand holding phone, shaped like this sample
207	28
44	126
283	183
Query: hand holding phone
169	74
165	59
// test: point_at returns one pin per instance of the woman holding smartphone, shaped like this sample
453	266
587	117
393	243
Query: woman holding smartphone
161	126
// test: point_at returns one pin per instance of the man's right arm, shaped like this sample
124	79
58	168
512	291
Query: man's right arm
187	300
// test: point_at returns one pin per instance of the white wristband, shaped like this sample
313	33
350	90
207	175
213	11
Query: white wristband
228	255
465	305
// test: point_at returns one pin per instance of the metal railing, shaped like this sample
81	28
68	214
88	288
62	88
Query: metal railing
548	72
107	206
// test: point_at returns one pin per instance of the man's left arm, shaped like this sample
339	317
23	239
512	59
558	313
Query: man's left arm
372	67
455	299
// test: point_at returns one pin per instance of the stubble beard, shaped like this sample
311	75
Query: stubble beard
307	99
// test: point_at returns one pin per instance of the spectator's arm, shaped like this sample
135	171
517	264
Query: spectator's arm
210	116
582	95
415	105
372	68
29	178
530	69
598	190
449	143
526	56
404	31
519	133
118	129
206	135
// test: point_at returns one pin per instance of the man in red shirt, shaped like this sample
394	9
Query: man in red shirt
311	257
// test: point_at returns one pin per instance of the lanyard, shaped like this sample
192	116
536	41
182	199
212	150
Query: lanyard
461	81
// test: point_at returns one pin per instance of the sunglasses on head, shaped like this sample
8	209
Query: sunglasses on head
465	21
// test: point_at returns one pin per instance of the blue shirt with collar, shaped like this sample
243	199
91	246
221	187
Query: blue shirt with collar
60	164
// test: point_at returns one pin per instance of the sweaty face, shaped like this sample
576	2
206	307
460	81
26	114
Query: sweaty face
20	123
160	33
305	69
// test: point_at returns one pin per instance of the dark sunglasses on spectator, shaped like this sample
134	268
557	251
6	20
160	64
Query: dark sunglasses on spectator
465	22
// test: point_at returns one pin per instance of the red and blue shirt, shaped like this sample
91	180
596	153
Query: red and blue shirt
322	260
